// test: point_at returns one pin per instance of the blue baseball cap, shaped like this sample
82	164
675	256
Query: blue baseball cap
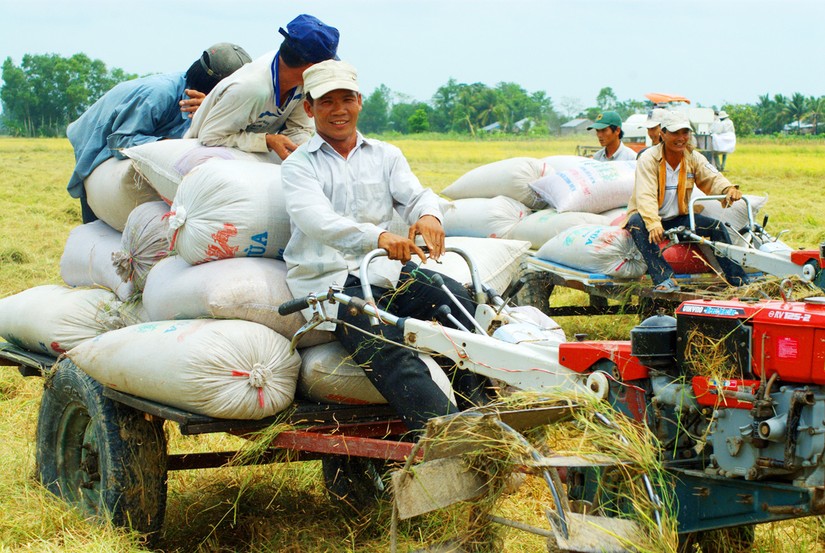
311	38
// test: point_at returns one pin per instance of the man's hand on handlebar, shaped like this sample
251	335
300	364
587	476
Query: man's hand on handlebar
432	232
656	235
400	248
731	195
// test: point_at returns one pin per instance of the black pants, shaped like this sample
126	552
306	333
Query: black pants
398	373
657	267
86	212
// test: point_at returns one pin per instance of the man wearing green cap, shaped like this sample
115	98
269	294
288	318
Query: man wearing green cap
259	108
144	110
608	128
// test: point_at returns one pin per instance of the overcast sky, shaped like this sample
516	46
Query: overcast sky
712	51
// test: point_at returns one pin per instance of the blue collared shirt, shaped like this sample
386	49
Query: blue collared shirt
132	113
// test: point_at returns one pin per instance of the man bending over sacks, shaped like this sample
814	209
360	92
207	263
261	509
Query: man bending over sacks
259	108
341	190
144	110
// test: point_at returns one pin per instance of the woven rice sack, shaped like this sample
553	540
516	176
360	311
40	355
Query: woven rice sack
484	217
736	215
565	162
596	249
497	261
114	189
87	259
144	242
508	177
250	289
223	369
53	319
593	186
164	163
229	209
329	375
539	227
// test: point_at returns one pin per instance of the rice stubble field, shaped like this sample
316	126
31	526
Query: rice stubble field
284	507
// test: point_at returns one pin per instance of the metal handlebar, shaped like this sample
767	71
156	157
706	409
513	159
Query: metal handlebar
707	198
293	306
363	274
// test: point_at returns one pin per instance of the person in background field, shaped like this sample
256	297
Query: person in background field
341	190
608	127
723	139
144	110
259	108
665	177
653	124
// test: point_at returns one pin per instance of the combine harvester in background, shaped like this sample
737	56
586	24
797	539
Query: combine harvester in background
635	135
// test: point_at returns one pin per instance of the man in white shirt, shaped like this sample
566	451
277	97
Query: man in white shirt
609	131
723	139
341	190
259	109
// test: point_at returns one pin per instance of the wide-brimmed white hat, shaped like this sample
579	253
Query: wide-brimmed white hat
654	118
330	75
723	114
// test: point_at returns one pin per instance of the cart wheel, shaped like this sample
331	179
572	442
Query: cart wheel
354	482
536	291
738	539
99	455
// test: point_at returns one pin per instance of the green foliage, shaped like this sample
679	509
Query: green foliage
459	107
401	113
606	99
744	116
418	121
47	92
375	114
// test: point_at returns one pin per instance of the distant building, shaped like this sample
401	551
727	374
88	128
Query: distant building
576	126
492	127
797	128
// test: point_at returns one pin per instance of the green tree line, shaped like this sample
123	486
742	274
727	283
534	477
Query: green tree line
46	92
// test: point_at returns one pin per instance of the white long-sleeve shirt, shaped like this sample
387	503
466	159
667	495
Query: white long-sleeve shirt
242	109
339	207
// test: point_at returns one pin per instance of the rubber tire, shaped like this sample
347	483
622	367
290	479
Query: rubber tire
738	539
120	456
353	482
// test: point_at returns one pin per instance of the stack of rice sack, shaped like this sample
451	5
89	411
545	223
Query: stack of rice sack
532	199
181	306
606	248
201	362
536	200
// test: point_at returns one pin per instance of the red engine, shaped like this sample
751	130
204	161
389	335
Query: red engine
777	337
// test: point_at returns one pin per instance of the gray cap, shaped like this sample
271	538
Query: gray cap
222	59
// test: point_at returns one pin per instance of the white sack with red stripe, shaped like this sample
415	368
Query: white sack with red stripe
596	249
52	319
227	208
223	369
